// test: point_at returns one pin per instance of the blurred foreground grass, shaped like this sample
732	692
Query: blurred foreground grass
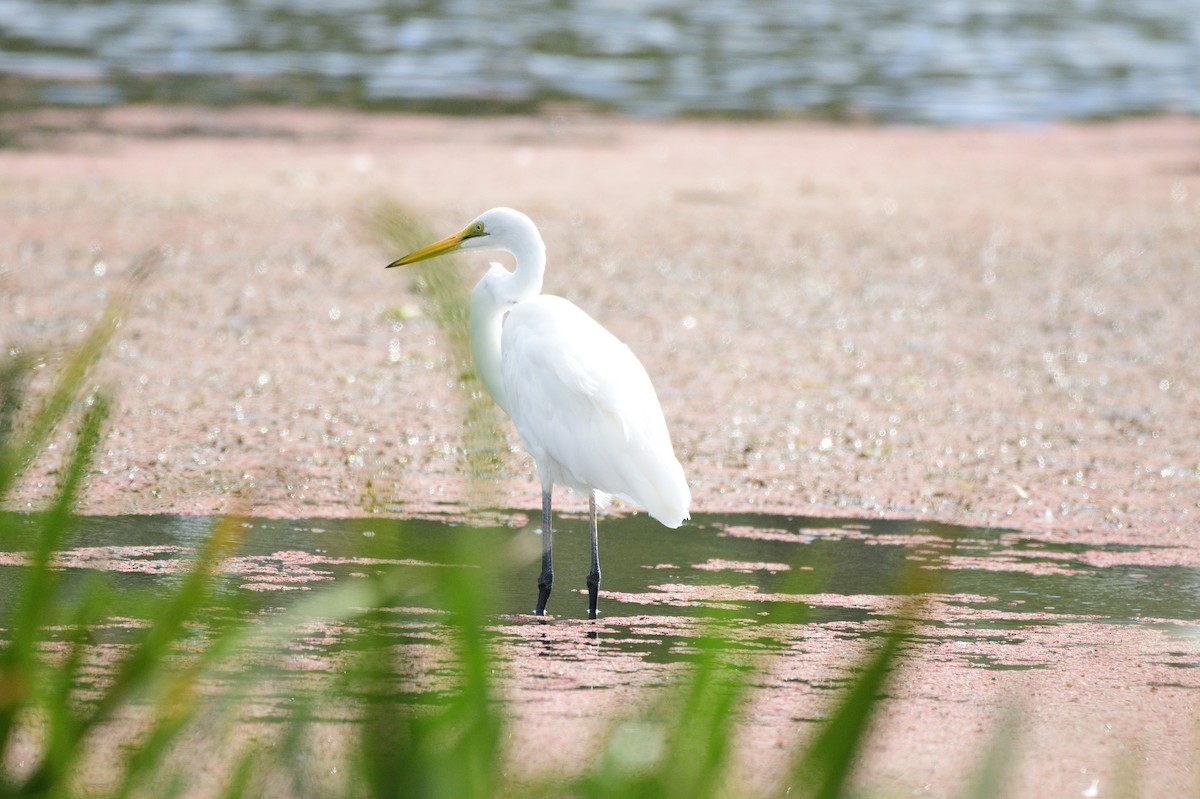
165	720
446	296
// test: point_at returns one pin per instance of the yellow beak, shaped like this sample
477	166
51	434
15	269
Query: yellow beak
446	245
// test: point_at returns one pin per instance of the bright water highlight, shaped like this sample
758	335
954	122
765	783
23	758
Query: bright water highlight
945	62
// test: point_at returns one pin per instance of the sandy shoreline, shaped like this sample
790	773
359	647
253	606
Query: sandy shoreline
982	326
988	326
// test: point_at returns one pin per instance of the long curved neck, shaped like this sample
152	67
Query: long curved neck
529	266
491	300
487	322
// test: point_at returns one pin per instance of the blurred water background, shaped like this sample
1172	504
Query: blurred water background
949	61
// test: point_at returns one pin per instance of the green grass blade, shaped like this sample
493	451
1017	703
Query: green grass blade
474	709
13	374
680	747
450	748
387	758
64	726
823	769
148	658
698	749
22	450
446	297
239	781
989	780
19	670
173	686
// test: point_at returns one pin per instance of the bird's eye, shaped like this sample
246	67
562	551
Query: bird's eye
477	227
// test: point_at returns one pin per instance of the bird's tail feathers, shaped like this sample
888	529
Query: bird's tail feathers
671	517
668	500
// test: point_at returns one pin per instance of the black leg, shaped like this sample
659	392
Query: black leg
546	579
593	578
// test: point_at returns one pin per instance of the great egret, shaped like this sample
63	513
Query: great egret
580	399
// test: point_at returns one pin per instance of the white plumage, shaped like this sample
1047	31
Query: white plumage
581	401
586	411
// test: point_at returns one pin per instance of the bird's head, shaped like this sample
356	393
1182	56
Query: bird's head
497	229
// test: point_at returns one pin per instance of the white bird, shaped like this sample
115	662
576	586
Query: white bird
581	401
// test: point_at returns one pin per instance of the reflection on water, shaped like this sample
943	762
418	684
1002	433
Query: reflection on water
752	566
951	61
808	589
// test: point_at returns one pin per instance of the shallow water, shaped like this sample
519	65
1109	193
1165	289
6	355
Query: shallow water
944	62
804	588
749	566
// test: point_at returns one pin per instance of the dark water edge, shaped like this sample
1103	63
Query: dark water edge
774	560
888	61
767	585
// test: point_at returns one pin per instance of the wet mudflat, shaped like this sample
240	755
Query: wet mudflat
1006	619
988	327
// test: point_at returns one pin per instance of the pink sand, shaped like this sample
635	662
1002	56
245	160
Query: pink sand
984	326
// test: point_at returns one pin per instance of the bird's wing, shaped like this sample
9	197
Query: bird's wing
586	410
